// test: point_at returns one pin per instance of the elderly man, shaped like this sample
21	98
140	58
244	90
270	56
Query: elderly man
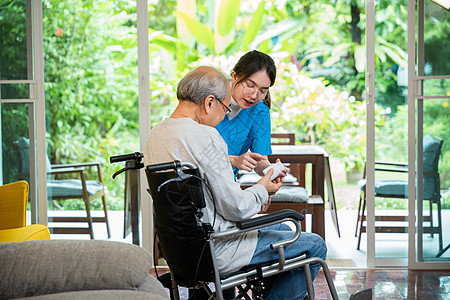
189	135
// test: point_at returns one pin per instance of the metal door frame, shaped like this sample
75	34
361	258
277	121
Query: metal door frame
36	102
144	117
415	93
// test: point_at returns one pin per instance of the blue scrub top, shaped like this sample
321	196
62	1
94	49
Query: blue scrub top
249	130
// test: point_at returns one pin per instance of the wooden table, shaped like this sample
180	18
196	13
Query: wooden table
319	160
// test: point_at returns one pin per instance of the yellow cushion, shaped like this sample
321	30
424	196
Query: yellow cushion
13	204
31	232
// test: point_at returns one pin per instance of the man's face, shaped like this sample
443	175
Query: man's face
221	109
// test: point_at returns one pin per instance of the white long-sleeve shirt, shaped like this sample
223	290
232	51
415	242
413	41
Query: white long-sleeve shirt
186	140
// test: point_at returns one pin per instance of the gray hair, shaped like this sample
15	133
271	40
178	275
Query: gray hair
201	82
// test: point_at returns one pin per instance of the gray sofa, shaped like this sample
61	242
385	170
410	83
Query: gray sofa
74	269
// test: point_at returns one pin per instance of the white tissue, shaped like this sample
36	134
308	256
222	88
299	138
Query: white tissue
278	167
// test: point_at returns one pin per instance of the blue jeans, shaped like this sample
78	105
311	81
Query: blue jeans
290	284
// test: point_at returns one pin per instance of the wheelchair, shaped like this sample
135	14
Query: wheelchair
186	238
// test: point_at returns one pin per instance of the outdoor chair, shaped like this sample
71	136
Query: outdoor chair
393	188
186	237
77	187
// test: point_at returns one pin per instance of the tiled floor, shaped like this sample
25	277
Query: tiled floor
348	265
385	284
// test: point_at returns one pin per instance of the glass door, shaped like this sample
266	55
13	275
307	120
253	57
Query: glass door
387	134
391	135
92	101
408	130
429	100
21	100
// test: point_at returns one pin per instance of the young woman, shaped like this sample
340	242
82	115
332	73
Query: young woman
247	126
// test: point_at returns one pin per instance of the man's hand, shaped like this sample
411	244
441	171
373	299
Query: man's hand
271	186
246	161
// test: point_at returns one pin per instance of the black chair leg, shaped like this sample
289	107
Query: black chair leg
361	222
443	251
358	217
431	217
198	294
441	243
229	293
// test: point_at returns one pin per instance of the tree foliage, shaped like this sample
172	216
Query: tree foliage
91	84
91	81
13	66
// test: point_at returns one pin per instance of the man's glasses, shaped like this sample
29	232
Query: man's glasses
227	109
249	90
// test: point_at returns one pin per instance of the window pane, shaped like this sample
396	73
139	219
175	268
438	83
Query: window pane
13	40
435	196
436	40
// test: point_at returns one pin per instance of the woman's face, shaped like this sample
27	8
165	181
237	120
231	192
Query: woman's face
250	91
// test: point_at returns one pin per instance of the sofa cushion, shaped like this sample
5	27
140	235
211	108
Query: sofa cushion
99	295
34	268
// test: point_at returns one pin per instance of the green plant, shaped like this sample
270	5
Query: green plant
91	94
320	114
201	31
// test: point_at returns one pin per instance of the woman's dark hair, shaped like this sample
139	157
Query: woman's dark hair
255	61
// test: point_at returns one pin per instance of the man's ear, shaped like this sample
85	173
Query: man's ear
208	103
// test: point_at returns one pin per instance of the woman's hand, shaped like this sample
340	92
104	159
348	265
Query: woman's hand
246	161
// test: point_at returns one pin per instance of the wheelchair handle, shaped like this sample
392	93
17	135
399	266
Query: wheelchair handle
125	157
133	162
169	166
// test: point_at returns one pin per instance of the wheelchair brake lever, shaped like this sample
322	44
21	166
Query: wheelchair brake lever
181	176
120	171
131	166
186	176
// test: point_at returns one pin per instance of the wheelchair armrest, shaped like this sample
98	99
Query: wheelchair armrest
269	218
284	215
